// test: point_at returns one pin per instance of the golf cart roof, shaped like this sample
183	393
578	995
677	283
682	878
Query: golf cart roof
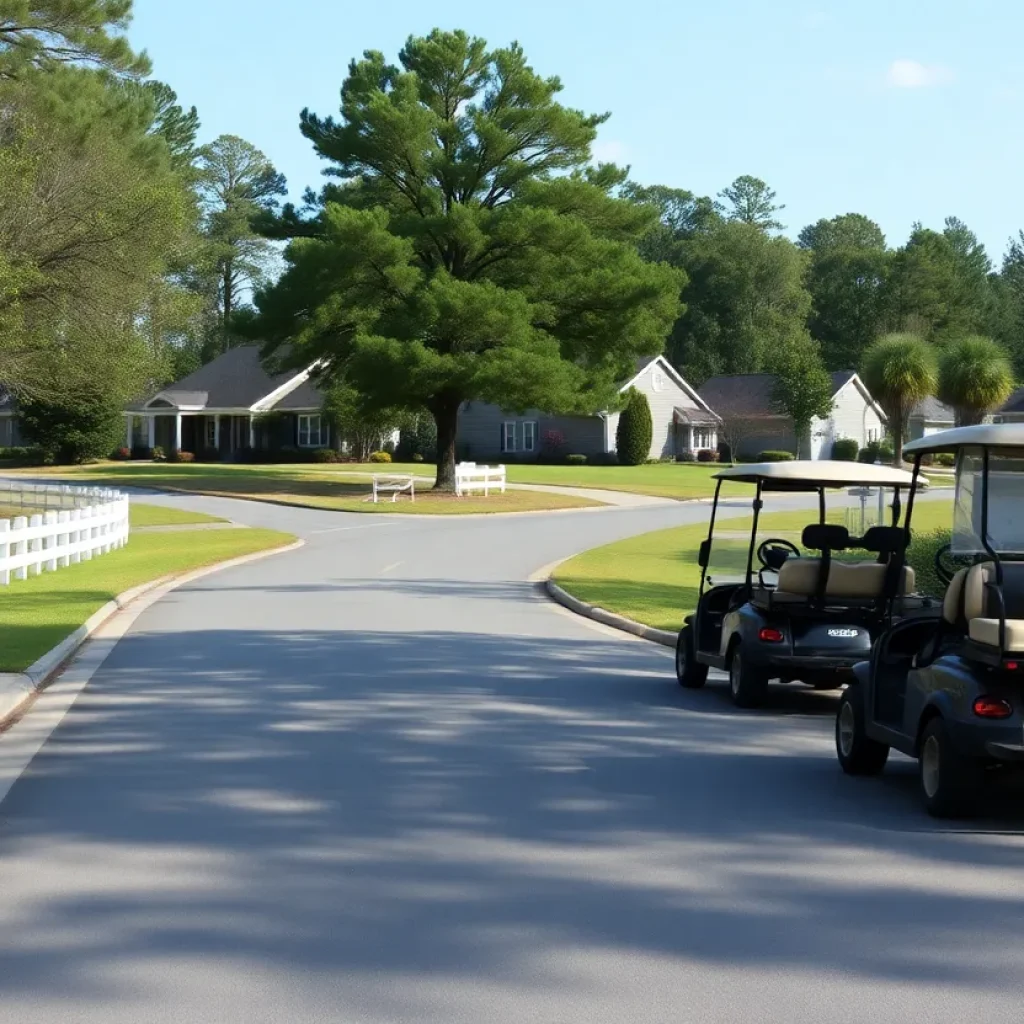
990	435
808	475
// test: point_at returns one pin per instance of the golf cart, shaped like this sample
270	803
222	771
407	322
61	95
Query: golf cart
948	689
768	610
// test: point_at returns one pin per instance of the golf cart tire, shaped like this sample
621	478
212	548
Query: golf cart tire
690	673
954	793
858	754
747	685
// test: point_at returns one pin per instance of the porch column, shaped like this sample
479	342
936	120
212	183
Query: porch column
151	421
177	431
252	432
129	423
216	431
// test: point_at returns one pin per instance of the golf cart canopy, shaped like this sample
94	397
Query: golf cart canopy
984	435
809	475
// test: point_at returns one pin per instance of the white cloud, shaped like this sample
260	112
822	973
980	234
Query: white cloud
912	74
609	151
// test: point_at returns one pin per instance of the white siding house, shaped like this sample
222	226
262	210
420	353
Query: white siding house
855	414
682	423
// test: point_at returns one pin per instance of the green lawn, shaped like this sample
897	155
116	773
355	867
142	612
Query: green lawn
654	578
37	613
337	487
158	515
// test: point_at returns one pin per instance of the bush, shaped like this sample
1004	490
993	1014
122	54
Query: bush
604	459
179	456
845	449
686	457
772	455
325	455
876	451
417	457
635	430
74	432
707	455
921	558
420	438
21	456
380	457
121	454
947	459
576	460
157	454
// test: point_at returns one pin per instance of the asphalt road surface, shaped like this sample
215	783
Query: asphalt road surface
382	780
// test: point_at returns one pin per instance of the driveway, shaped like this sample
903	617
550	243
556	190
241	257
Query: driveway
380	779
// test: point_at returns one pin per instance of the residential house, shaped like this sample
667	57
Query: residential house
10	432
929	416
752	422
230	405
682	422
1012	410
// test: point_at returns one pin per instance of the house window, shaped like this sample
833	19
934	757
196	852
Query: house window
529	436
211	432
872	434
701	438
658	380
508	436
312	431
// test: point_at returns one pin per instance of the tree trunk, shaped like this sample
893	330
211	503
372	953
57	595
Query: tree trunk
898	434
229	303
446	417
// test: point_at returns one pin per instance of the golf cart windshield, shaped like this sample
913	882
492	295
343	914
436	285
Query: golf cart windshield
1000	502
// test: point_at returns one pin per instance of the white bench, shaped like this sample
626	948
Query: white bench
471	477
386	483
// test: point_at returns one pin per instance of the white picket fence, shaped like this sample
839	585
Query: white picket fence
78	523
471	477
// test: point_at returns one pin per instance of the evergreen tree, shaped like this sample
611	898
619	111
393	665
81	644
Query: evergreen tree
635	431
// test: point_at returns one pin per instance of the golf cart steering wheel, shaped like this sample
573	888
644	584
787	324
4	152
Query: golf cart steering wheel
773	564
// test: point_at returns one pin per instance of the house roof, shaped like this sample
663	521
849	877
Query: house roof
236	380
642	363
751	393
931	410
1015	403
696	417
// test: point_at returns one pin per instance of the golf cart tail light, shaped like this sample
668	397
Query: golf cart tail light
1011	666
772	636
992	707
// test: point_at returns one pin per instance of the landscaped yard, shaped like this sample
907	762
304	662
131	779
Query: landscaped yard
37	613
654	578
341	488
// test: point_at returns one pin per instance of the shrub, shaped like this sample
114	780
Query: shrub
417	457
604	459
121	454
686	457
845	449
635	430
576	460
772	455
82	428
380	457
707	455
419	438
179	456
21	456
876	451
325	455
947	459
921	558
157	454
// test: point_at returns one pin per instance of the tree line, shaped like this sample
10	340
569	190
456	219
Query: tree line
126	248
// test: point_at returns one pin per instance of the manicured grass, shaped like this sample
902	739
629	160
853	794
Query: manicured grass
329	487
159	515
654	578
38	613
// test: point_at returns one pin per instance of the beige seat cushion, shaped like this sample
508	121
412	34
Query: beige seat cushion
986	631
799	576
951	602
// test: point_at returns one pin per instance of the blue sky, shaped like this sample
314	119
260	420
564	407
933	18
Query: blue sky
902	110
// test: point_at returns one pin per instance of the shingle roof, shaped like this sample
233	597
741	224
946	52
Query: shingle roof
840	378
751	393
236	380
931	410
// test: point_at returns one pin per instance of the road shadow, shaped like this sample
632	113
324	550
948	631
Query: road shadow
403	804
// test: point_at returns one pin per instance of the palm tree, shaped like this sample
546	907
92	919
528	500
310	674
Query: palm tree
899	371
975	377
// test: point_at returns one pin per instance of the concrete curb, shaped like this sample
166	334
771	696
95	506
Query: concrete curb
17	688
658	636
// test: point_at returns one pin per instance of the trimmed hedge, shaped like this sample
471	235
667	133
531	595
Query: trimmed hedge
845	449
686	457
576	460
380	457
707	455
876	451
771	455
921	557
947	459
179	456
635	431
23	456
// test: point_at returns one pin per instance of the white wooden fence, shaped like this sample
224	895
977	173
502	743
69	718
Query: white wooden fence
471	477
75	524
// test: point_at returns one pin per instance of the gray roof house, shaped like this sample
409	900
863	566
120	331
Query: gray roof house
752	423
682	420
929	416
222	407
1012	410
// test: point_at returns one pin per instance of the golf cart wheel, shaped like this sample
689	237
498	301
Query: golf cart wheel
858	754
692	675
950	781
747	684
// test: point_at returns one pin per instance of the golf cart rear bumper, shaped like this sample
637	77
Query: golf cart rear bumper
791	662
1005	751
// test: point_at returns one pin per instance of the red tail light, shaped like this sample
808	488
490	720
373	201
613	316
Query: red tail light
1011	666
771	636
992	707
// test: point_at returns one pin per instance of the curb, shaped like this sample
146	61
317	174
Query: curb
665	637
18	688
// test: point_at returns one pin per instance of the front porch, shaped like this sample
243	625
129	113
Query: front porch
695	430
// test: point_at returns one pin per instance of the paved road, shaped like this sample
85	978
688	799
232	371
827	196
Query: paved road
381	780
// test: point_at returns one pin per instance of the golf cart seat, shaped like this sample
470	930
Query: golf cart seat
801	578
981	603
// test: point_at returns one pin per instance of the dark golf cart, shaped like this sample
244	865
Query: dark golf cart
783	614
948	689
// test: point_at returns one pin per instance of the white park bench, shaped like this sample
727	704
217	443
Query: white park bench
471	477
387	483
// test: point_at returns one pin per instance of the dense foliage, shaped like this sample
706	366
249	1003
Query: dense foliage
635	430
